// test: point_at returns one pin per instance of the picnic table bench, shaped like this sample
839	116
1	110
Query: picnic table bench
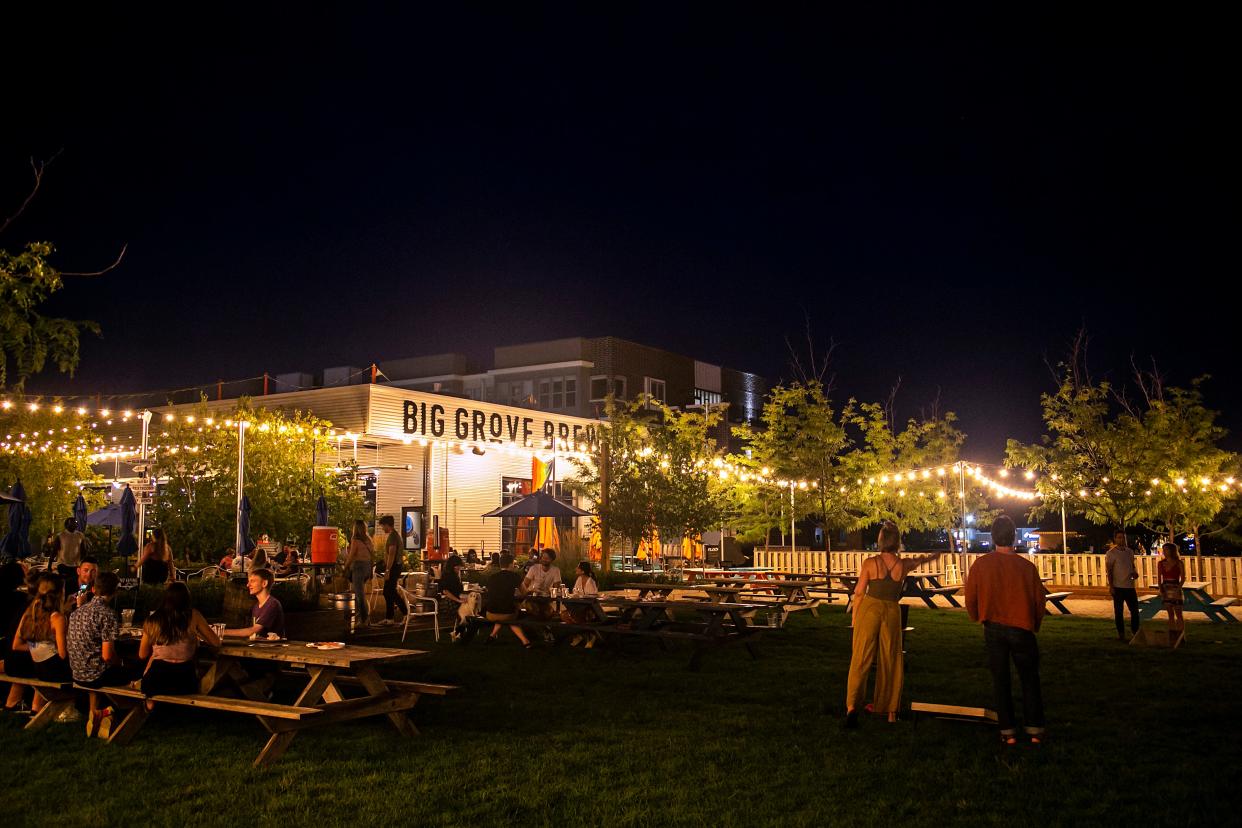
1056	599
1195	598
924	585
59	696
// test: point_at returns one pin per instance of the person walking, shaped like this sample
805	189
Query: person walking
1122	575
877	626
1172	576
1004	593
358	567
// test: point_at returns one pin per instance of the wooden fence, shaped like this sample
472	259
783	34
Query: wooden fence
1223	575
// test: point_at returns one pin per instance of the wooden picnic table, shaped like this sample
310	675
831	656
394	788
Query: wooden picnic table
325	672
924	585
720	622
1195	598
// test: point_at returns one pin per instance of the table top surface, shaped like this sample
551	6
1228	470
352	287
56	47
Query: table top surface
299	652
1195	585
702	606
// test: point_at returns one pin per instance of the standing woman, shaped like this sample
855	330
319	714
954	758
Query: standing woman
1172	576
392	568
155	565
358	567
877	625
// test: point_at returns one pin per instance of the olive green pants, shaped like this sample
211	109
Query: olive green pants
877	626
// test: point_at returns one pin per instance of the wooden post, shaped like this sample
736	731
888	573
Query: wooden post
265	383
605	548
373	371
219	389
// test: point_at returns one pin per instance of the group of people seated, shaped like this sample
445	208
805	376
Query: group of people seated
53	637
282	562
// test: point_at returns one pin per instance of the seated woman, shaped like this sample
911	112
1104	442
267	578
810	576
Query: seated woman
43	634
13	603
170	640
584	586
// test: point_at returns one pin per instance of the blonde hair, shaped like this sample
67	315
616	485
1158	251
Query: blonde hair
36	623
1170	552
890	537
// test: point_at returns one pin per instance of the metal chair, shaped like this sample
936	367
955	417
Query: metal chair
411	602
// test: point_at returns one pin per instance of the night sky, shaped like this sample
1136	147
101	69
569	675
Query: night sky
949	198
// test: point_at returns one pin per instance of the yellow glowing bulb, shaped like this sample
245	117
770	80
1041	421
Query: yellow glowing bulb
1004	472
33	406
1181	481
1029	475
57	409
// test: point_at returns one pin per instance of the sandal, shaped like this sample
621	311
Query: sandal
1037	739
1008	739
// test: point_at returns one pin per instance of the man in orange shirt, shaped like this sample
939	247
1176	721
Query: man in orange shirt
1003	591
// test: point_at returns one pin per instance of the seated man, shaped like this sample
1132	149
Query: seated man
541	579
226	563
92	649
87	571
269	616
500	604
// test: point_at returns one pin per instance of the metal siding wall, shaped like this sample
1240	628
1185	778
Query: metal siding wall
399	488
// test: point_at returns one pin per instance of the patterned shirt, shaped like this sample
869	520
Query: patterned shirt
89	628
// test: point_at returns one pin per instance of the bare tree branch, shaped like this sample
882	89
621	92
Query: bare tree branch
112	266
891	403
38	167
818	370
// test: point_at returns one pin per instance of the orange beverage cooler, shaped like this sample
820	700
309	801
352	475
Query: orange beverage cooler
324	544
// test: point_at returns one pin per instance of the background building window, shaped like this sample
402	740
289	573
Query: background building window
618	387
655	388
599	388
706	398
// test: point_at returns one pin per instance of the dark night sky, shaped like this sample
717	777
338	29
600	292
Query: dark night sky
950	198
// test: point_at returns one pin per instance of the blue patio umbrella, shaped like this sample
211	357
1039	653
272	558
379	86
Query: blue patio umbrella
128	545
16	543
321	511
109	515
79	512
243	525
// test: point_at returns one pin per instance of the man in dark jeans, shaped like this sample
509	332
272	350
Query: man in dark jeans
392	569
1122	575
1003	591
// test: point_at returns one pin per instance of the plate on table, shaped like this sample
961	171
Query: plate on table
326	645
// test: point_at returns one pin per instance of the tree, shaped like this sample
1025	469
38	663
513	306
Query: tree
28	339
661	476
799	439
196	466
52	458
909	476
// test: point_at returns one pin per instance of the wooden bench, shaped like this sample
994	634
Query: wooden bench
137	712
59	696
1220	604
406	686
1055	598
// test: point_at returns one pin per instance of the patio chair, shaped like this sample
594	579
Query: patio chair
412	608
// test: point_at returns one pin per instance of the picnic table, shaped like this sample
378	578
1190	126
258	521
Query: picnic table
923	585
789	593
319	703
1196	599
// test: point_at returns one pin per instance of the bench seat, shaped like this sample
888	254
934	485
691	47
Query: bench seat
1224	602
34	682
1057	596
246	706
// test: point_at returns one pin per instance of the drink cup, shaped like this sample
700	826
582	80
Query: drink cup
127	618
218	629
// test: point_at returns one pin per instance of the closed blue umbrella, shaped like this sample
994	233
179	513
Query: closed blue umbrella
243	525
321	511
79	512
109	515
128	545
16	543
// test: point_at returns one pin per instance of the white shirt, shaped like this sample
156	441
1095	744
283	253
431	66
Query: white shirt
541	581
585	586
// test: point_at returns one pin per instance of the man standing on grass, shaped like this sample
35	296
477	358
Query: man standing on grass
1003	591
1122	576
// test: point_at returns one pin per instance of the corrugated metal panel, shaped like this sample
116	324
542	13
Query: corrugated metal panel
706	376
397	488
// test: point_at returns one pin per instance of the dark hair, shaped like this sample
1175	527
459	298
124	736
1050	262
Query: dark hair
453	562
266	575
506	560
106	584
89	559
551	552
890	537
1003	531
360	531
585	568
387	520
11	576
71	524
171	622
496	558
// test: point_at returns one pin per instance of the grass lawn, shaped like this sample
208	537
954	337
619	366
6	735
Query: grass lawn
588	738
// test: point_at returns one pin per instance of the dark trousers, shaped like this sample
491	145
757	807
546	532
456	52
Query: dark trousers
1004	643
1128	597
391	601
114	675
167	678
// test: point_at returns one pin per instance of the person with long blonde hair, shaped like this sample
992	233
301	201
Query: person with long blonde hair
1172	576
43	633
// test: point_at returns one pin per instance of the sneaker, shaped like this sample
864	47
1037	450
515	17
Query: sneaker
69	715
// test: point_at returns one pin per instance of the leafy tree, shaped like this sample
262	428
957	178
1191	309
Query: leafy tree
52	459
799	439
196	465
28	339
660	473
